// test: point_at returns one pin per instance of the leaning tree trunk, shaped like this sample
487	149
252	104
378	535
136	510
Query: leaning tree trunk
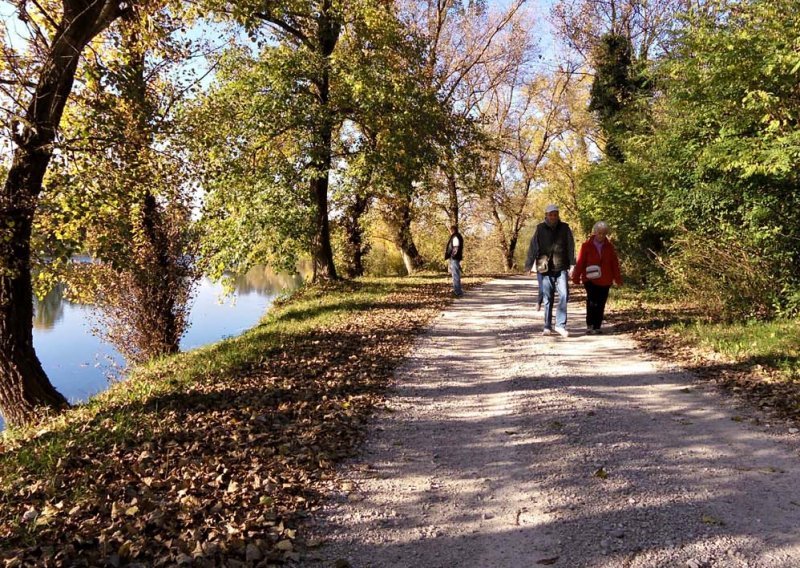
412	259
24	386
399	222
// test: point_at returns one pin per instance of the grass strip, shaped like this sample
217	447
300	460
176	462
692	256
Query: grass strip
759	359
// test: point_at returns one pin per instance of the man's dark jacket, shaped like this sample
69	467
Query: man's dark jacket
556	243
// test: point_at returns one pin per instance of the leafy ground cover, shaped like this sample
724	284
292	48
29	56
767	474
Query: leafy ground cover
756	359
217	454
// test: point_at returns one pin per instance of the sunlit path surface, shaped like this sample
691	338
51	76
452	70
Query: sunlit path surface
501	447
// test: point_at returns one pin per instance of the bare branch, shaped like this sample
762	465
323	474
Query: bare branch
287	28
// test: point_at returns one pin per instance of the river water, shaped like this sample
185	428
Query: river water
80	365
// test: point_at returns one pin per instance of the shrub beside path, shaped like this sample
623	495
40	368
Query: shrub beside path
501	447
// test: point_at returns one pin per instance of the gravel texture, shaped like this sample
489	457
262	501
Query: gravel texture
504	448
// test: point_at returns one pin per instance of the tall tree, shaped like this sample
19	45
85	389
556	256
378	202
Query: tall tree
725	155
646	24
531	116
617	42
617	87
121	193
308	32
315	27
37	82
461	41
279	120
572	153
392	133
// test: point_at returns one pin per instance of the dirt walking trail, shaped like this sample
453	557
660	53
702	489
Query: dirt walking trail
504	448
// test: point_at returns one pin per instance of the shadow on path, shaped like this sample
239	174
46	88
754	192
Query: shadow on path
502	447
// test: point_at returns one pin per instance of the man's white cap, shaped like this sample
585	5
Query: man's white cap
550	208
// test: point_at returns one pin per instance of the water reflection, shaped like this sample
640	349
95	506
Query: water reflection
49	310
263	280
79	364
216	315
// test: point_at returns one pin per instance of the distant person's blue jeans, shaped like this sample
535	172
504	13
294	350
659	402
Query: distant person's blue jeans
552	283
455	270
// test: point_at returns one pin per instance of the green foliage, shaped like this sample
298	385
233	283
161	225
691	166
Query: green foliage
259	133
431	239
773	343
629	196
248	134
732	120
716	168
722	274
622	189
384	259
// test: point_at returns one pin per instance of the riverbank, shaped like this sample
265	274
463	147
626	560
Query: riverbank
225	451
217	453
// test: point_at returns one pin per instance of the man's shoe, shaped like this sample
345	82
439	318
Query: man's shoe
547	331
590	331
562	331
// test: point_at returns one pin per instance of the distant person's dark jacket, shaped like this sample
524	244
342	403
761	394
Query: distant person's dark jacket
458	253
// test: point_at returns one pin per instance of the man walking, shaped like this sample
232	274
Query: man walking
454	253
551	253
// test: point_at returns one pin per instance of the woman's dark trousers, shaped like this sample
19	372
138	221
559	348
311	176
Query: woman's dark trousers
596	297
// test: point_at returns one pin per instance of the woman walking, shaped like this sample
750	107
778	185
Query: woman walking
597	268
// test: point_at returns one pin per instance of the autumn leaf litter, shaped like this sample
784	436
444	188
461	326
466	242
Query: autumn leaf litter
224	470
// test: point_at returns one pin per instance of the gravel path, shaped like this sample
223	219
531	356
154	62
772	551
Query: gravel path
503	448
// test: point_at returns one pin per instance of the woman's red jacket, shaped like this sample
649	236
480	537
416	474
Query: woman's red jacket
608	261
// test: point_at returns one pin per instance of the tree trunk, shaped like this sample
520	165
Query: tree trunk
513	238
506	246
165	333
509	254
399	220
411	257
321	249
154	271
356	249
24	387
453	209
328	30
